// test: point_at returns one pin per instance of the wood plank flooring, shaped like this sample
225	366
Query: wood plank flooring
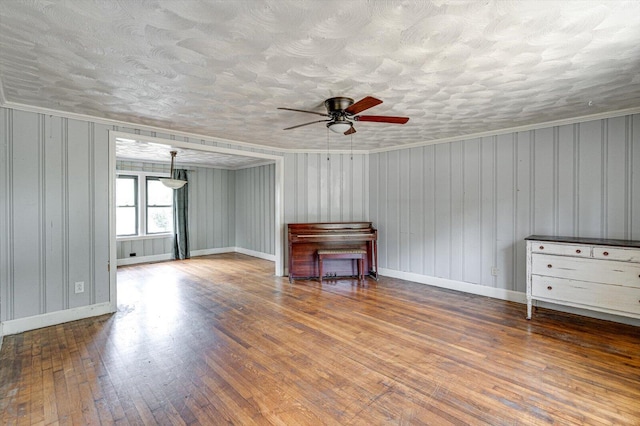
220	340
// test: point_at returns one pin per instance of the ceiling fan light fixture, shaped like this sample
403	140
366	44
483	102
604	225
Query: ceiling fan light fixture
339	126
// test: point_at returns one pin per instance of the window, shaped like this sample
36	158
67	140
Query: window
144	206
159	207
126	205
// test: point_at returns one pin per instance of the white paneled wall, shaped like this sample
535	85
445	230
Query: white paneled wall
458	211
461	210
318	189
54	216
212	213
255	209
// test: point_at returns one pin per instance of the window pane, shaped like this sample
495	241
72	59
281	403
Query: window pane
158	194
125	221
126	190
159	219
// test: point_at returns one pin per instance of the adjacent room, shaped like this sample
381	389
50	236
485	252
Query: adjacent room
319	212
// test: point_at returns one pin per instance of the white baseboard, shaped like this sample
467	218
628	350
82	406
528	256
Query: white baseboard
206	252
144	259
258	254
54	318
481	290
499	293
195	253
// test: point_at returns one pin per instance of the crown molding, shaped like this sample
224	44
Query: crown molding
526	128
273	150
111	122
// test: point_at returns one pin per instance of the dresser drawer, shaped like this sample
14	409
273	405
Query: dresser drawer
561	249
616	253
624	299
592	270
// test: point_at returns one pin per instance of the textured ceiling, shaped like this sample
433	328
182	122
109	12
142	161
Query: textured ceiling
221	68
129	149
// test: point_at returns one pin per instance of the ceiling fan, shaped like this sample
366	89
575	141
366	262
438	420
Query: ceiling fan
341	113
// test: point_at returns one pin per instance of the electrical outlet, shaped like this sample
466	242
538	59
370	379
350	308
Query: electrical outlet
495	271
79	287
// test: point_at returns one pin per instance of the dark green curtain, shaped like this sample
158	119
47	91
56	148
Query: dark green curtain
181	217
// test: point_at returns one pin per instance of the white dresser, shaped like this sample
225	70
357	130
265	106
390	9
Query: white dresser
591	273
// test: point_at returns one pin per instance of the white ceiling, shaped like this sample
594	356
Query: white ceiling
221	68
143	150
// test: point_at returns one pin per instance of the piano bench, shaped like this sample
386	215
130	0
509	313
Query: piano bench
353	254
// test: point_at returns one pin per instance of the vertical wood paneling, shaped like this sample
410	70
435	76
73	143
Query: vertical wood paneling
359	187
25	213
314	179
415	193
299	182
255	204
231	209
615	203
442	210
472	247
57	203
404	214
634	178
6	213
524	203
505	171
383	216
54	212
80	211
566	183
487	211
317	189
429	211
393	224
543	181
101	213
456	254
480	198
590	179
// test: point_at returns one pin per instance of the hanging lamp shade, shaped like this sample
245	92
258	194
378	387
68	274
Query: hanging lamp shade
170	182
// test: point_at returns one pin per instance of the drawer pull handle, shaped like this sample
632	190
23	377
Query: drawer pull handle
606	253
549	287
541	247
549	266
578	251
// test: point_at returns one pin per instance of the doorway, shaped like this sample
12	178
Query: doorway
201	151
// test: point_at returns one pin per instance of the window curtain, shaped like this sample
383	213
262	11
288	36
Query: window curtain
181	217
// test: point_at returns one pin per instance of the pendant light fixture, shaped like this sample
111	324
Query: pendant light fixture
170	182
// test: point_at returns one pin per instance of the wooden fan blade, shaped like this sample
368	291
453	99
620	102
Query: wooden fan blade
382	119
308	112
305	124
362	104
350	131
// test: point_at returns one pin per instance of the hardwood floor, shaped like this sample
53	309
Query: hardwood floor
220	340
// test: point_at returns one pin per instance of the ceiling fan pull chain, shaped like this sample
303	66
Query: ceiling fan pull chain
351	146
327	144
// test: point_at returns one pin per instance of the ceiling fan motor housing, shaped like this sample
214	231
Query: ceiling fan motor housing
336	106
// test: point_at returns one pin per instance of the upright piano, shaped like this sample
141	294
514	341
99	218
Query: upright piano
305	239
